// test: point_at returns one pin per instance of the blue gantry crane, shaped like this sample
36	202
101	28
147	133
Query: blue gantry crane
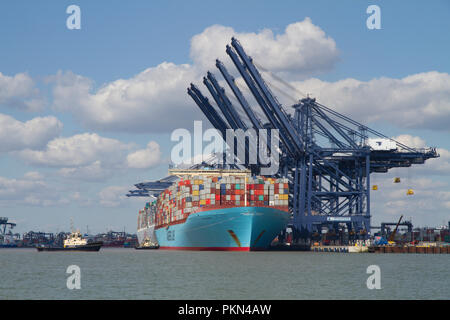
327	157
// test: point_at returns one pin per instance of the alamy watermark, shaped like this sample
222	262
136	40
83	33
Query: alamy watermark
259	147
74	280
374	20
374	280
74	20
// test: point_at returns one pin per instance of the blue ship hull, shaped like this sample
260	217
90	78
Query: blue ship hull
235	228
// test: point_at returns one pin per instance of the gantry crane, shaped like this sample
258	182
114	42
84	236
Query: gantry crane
325	155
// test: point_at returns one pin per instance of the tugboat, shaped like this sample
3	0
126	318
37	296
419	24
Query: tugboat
146	245
74	242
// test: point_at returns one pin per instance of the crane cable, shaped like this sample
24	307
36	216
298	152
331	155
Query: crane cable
279	79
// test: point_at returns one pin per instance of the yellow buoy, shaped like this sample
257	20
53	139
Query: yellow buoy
374	187
409	192
397	180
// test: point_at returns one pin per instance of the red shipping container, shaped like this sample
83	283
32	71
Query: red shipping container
217	197
233	197
208	201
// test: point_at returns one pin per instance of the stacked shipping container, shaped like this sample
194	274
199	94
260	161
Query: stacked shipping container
191	194
147	215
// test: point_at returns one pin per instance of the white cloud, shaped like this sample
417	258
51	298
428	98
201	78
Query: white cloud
155	100
302	49
94	172
113	196
29	192
33	175
35	133
411	141
145	158
16	188
418	101
78	150
19	92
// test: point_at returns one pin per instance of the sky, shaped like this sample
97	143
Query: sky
86	113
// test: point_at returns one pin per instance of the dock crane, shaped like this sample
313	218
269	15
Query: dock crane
326	156
392	236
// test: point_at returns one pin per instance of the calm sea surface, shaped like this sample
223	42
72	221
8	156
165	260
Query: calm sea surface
155	274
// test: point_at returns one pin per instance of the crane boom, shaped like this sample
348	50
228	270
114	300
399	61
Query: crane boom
392	236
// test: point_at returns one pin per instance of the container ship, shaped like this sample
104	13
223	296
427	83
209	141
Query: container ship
216	210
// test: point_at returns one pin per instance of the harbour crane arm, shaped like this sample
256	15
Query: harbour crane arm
240	97
296	140
258	97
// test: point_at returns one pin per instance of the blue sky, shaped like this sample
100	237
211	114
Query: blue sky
120	40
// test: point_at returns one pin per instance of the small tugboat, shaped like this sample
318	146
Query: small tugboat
146	245
74	242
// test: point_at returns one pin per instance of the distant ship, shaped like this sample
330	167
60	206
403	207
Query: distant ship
217	210
74	242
